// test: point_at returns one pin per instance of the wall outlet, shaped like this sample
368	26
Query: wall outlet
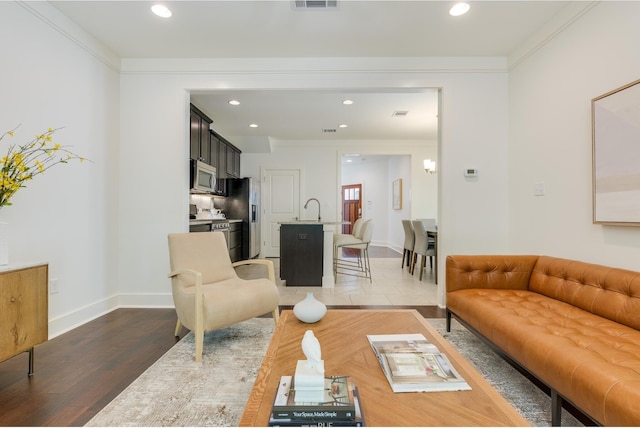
471	172
53	286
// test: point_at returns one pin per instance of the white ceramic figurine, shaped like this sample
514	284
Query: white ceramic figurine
311	350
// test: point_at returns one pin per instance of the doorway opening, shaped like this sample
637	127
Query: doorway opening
351	206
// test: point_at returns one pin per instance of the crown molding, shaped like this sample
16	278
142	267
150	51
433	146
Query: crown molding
573	11
313	65
56	20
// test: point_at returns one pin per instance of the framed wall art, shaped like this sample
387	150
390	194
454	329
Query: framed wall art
615	118
396	194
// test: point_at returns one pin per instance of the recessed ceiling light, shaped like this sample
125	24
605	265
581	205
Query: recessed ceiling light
161	10
234	102
347	102
459	9
253	125
344	125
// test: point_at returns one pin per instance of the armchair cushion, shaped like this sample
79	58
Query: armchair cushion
200	251
227	302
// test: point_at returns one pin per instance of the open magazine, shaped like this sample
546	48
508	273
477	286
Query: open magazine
413	364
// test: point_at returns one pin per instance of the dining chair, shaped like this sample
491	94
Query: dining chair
422	247
409	242
429	223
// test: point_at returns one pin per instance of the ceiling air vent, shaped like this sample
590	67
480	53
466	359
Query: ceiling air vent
329	130
400	113
315	4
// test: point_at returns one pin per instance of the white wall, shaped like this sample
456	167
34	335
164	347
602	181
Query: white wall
399	168
154	121
68	216
103	226
373	174
318	178
419	190
550	137
325	161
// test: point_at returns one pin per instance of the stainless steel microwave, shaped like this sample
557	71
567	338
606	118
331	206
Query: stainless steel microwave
203	177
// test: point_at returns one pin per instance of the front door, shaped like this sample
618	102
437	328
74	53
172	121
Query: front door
351	206
281	202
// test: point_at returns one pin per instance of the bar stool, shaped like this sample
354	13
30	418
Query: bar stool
361	267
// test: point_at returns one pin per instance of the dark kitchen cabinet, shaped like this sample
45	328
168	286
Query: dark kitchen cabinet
233	162
208	146
301	254
222	167
214	142
229	160
200	140
235	241
222	159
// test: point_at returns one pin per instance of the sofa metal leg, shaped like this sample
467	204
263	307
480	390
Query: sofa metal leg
448	321
556	409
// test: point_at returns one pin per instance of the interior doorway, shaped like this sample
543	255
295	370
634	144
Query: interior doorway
280	202
351	206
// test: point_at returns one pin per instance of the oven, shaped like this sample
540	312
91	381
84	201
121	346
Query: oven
221	226
211	226
201	226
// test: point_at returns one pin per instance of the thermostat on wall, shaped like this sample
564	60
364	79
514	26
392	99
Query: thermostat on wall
470	172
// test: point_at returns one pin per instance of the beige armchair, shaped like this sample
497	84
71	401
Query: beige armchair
207	292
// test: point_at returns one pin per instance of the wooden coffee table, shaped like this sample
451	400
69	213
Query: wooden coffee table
346	351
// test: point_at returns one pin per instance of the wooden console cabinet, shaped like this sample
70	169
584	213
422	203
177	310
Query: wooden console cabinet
24	305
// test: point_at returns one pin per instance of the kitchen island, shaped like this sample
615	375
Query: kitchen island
306	253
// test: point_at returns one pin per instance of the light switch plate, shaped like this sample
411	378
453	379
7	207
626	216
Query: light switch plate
538	189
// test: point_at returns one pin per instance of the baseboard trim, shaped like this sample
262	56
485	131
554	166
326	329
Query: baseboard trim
73	319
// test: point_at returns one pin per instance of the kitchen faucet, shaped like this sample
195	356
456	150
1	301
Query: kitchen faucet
313	199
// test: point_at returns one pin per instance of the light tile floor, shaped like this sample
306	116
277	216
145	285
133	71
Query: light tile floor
390	285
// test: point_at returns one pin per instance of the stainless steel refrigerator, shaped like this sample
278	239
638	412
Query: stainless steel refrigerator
242	203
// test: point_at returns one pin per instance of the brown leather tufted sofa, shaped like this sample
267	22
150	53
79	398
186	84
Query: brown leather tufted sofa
573	325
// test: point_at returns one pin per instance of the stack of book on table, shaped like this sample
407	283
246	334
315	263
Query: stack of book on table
339	407
413	364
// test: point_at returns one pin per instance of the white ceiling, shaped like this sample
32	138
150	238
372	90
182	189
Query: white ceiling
275	29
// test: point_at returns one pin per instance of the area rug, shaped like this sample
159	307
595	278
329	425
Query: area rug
524	396
177	391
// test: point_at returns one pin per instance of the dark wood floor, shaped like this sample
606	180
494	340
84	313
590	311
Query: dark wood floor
80	372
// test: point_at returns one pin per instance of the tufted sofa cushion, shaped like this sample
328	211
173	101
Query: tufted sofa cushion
489	272
609	292
559	328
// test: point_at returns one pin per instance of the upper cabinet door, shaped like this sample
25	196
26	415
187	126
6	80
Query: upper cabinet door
200	145
208	146
215	149
195	136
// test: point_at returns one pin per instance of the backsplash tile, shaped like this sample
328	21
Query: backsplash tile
203	202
